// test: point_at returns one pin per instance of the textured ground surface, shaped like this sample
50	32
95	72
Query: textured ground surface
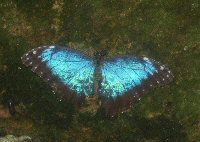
165	30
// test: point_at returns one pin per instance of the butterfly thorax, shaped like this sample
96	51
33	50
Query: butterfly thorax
99	57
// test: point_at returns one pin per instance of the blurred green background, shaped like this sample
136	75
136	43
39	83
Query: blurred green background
165	30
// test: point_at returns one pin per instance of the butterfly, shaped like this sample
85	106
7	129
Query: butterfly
119	82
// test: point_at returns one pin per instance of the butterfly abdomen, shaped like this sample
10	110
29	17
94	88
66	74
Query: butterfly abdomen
97	79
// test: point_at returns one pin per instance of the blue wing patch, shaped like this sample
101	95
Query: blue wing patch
121	75
65	69
125	79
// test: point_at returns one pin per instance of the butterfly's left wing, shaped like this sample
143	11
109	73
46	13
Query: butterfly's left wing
125	79
66	70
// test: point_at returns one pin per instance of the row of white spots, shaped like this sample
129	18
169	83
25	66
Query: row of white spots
157	80
150	86
135	96
169	72
40	74
34	51
163	67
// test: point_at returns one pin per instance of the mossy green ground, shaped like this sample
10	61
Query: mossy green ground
165	30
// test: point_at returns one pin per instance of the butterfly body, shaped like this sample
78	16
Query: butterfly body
99	57
118	82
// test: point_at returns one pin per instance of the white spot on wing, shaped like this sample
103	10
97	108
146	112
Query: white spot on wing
161	67
51	46
145	58
34	52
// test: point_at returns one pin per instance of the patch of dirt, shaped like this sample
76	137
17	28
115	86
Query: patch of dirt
4	112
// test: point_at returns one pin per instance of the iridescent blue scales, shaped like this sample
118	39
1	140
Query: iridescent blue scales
72	69
122	82
123	74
